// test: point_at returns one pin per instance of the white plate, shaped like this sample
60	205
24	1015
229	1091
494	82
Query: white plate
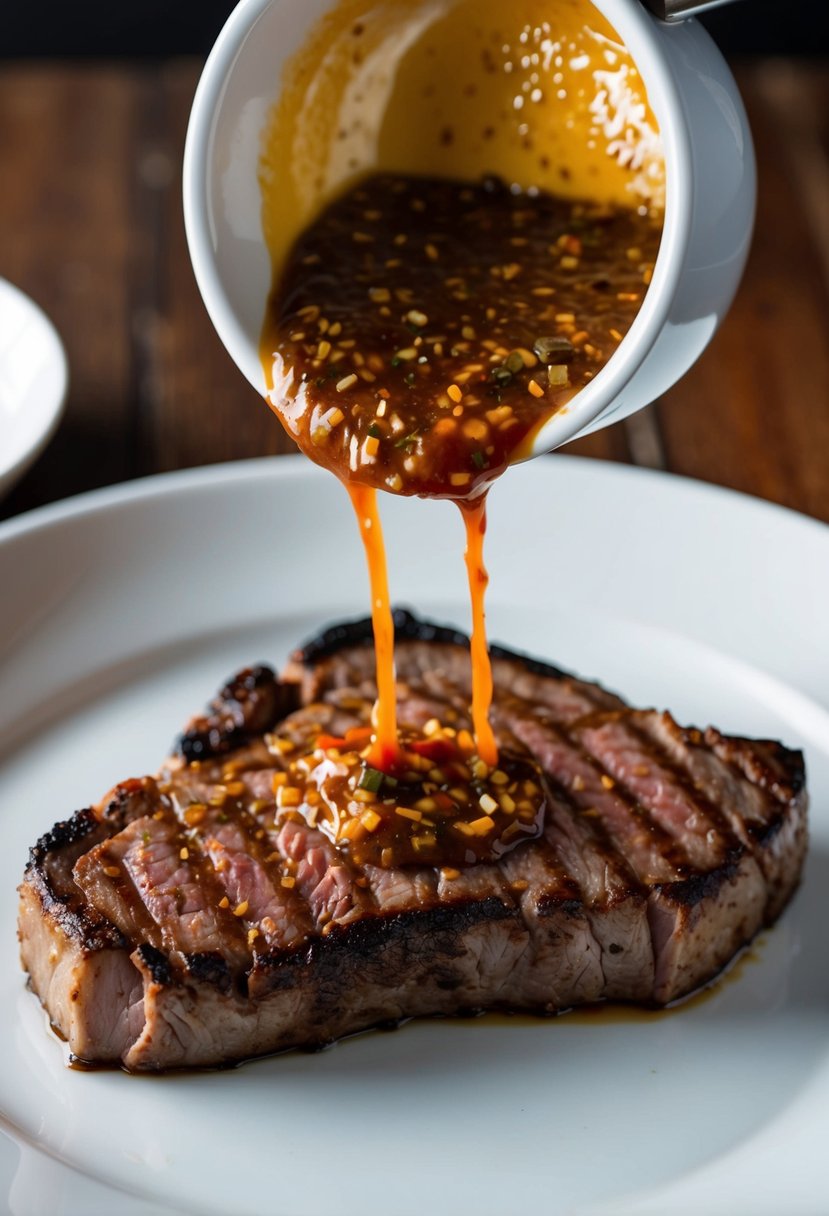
122	611
33	379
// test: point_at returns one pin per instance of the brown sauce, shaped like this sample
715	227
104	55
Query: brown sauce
435	803
422	330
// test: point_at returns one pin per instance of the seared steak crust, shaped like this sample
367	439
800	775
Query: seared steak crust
176	925
251	703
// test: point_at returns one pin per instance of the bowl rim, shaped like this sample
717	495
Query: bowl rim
199	229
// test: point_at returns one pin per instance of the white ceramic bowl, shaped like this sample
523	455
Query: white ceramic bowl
710	197
33	382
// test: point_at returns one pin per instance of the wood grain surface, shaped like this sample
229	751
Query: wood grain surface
91	228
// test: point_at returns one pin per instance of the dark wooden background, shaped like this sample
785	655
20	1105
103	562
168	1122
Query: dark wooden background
91	228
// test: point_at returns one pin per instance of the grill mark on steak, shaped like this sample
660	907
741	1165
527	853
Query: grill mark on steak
637	765
101	876
607	889
445	671
763	761
181	894
619	899
781	773
250	880
650	852
436	656
323	876
750	809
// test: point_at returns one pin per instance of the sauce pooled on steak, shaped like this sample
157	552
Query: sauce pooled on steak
440	804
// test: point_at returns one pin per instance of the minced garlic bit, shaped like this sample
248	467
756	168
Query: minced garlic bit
558	375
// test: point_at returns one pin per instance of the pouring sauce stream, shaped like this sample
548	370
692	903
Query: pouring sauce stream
385	750
474	518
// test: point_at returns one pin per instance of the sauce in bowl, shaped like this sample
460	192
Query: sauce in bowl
423	329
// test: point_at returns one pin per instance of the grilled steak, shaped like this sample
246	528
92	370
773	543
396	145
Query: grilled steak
174	925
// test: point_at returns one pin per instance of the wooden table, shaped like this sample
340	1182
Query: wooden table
91	227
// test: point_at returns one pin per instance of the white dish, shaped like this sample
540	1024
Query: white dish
123	611
33	380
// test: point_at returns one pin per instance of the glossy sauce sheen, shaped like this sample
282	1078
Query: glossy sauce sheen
422	329
436	803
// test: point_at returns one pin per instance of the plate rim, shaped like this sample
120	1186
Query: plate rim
198	477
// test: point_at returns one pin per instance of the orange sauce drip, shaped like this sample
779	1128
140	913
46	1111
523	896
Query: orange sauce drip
385	752
385	749
474	518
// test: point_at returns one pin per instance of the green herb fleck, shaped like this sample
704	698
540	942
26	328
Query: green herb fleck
371	779
554	350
